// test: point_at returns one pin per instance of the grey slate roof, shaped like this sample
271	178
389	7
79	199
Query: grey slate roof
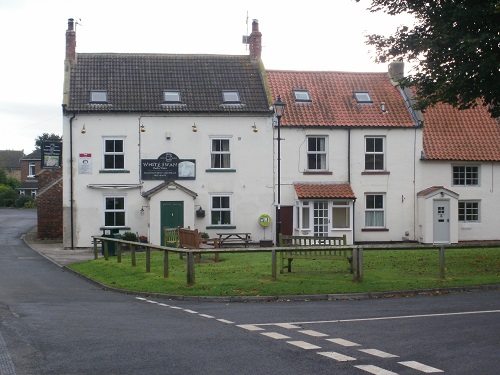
35	155
135	82
9	159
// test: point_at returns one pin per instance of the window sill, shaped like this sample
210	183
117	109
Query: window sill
215	170
374	230
221	227
375	173
114	171
317	173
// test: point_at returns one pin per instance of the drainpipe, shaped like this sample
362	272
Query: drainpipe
349	181
71	178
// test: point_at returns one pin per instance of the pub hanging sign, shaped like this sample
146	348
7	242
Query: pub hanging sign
51	154
168	167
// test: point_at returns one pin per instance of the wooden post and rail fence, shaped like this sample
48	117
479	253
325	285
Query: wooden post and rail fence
357	258
310	250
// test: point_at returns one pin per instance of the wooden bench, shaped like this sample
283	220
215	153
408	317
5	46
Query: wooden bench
171	237
191	239
308	247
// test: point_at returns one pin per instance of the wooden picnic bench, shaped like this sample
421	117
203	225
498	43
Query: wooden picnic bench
234	239
309	247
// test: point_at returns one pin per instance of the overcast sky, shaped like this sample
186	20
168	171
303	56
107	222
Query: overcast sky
310	35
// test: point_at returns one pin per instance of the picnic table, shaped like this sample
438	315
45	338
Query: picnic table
234	238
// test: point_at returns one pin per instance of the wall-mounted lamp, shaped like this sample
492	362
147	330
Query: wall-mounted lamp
83	129
195	129
254	128
142	210
143	128
200	212
442	194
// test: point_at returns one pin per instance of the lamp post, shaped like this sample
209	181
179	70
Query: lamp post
279	109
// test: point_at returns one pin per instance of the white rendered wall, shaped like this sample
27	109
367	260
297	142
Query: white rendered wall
439	173
251	183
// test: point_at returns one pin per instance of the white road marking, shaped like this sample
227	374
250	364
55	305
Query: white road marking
275	335
420	367
149	301
313	333
304	345
190	311
163	304
207	316
375	370
337	356
343	342
176	307
378	353
225	321
250	327
141	298
283	324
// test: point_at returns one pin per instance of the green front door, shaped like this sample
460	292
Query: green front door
171	216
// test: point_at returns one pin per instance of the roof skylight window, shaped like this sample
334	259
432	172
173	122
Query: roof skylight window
363	97
172	96
98	96
231	97
302	96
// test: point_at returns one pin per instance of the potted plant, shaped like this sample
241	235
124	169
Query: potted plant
128	236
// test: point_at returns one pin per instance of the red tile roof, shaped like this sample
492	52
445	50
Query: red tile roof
452	134
433	189
333	102
323	191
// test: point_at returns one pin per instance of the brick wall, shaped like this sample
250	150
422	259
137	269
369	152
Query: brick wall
49	203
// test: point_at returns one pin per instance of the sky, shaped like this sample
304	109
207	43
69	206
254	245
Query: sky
312	35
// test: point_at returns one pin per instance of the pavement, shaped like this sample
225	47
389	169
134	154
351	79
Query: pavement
55	251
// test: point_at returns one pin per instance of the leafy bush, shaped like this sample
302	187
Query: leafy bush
129	236
24	201
8	196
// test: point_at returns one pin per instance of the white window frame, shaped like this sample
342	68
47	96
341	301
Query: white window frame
363	97
347	206
98	96
171	96
467	211
113	153
468	173
31	169
321	154
220	154
115	211
375	210
301	96
231	97
213	209
304	209
375	153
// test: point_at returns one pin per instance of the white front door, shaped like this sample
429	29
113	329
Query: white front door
321	219
441	218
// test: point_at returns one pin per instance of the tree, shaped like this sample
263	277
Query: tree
46	137
455	45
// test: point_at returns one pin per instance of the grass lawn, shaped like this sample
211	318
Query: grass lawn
249	274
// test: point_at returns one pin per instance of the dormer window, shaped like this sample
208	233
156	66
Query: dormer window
302	96
171	96
363	97
231	97
99	96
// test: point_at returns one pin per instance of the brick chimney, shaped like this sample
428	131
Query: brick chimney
71	41
70	58
255	41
